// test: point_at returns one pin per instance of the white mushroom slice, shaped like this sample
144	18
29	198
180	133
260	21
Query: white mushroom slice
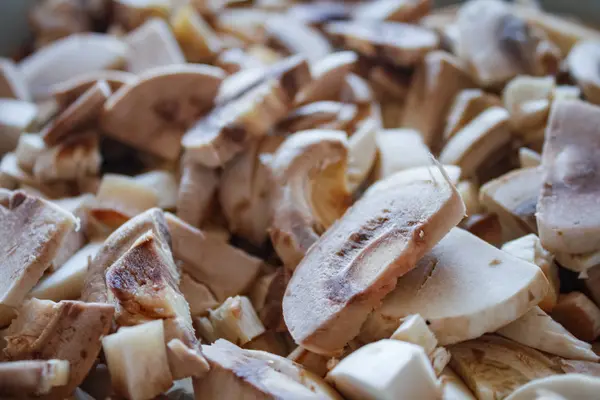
245	191
319	115
493	367
226	271
328	75
400	149
236	321
387	369
576	312
295	37
362	146
483	137
527	100
359	259
309	169
272	376
529	158
128	354
393	10
130	14
32	230
413	329
198	41
565	216
153	113
21	379
197	188
16	116
197	294
400	44
29	147
437	81
69	57
463	288
570	386
513	197
467	105
453	388
536	329
67	282
164	184
69	330
12	84
152	45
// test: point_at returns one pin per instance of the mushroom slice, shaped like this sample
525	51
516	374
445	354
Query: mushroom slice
493	367
131	14
195	36
400	149
16	116
319	115
393	10
310	194
197	188
20	379
197	294
152	45
32	230
529	158
295	37
576	312
362	145
467	105
69	57
272	376
236	321
407	373
152	114
400	44
413	329
437	81
489	289
12	84
470	147
513	197
569	386
69	330
358	260
246	189
165	185
536	329
66	283
527	99
565	216
226	270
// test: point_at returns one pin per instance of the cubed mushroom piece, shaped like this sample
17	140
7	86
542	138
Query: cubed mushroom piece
197	39
16	116
20	379
197	187
569	386
400	149
463	288
12	83
467	105
295	37
328	75
393	10
576	312
236	321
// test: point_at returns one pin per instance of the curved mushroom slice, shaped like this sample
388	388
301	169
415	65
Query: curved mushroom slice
393	10
195	36
165	185
272	376
400	149
362	146
565	210
467	105
493	367
32	230
22	379
245	191
12	84
197	188
69	57
153	114
400	44
16	116
470	147
435	84
309	170
576	312
537	330
319	115
295	37
358	260
69	330
131	14
328	75
569	386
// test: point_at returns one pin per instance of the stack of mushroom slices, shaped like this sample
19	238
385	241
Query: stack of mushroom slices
300	200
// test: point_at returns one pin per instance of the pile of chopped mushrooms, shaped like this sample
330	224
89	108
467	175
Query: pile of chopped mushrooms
270	199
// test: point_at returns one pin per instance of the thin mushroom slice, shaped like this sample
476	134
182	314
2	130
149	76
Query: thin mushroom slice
489	288
16	116
309	172
272	376
569	386
467	105
400	149
197	187
400	44
153	113
21	379
295	37
565	216
12	83
393	10
195	36
358	260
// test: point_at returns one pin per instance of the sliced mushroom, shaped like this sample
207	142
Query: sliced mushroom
28	250
393	10
197	188
437	81
493	367
413	329
153	113
69	57
197	294
463	288
16	116
130	14
529	158
527	99
69	330
295	37
309	170
407	372
569	386
400	44
236	321
21	379
357	262
470	147
195	36
576	312
272	376
565	216
400	149
12	84
467	105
